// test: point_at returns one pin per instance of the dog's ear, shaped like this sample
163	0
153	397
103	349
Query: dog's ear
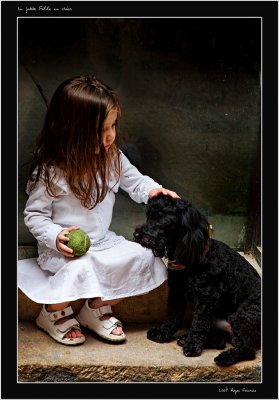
193	236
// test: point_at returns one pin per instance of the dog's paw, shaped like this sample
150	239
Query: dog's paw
192	350
157	335
224	359
182	340
232	356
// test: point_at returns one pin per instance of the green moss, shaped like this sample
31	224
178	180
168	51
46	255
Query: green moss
79	241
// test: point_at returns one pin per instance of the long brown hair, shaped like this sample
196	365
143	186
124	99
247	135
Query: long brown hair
71	139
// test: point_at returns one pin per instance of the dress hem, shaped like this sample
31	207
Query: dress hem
103	298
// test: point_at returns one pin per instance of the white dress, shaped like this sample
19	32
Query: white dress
112	268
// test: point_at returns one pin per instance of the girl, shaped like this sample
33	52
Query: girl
76	173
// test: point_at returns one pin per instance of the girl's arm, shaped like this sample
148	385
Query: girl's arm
139	187
38	216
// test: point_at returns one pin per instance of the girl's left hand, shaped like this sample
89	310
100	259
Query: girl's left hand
62	239
155	192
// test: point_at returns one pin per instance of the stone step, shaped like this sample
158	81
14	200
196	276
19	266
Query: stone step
41	359
144	308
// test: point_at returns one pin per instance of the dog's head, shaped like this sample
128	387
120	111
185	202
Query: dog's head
174	228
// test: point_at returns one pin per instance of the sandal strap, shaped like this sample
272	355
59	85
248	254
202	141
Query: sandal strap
99	312
56	315
111	323
67	326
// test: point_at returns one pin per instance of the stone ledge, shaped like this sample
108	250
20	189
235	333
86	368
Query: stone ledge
149	307
41	359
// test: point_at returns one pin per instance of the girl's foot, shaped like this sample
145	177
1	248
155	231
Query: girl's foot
97	316
96	303
73	333
60	324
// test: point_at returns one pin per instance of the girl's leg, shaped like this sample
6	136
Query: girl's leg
60	306
97	303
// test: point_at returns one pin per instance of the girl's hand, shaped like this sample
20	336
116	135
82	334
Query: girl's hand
155	192
62	238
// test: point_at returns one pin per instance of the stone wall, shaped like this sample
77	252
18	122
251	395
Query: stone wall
190	93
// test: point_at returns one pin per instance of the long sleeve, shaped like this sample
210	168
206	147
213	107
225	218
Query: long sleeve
38	216
134	183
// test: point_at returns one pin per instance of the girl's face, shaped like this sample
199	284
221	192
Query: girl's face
109	131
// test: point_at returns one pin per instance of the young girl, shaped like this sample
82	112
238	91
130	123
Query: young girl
77	171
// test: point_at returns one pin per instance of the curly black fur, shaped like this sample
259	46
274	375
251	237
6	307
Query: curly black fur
219	280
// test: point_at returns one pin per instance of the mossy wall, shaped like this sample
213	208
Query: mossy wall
190	94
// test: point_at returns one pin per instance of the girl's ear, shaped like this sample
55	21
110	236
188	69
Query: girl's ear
193	237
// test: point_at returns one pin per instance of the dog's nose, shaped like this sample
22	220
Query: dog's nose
136	235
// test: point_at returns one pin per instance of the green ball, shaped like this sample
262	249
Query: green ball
79	241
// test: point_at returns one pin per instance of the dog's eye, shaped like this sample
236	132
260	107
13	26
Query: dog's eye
155	214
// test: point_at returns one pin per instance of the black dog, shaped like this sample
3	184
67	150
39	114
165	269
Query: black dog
221	283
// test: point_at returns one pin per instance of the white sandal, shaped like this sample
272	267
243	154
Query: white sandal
46	321
90	318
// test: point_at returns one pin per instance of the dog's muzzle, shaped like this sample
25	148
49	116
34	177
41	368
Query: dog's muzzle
142	239
146	241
